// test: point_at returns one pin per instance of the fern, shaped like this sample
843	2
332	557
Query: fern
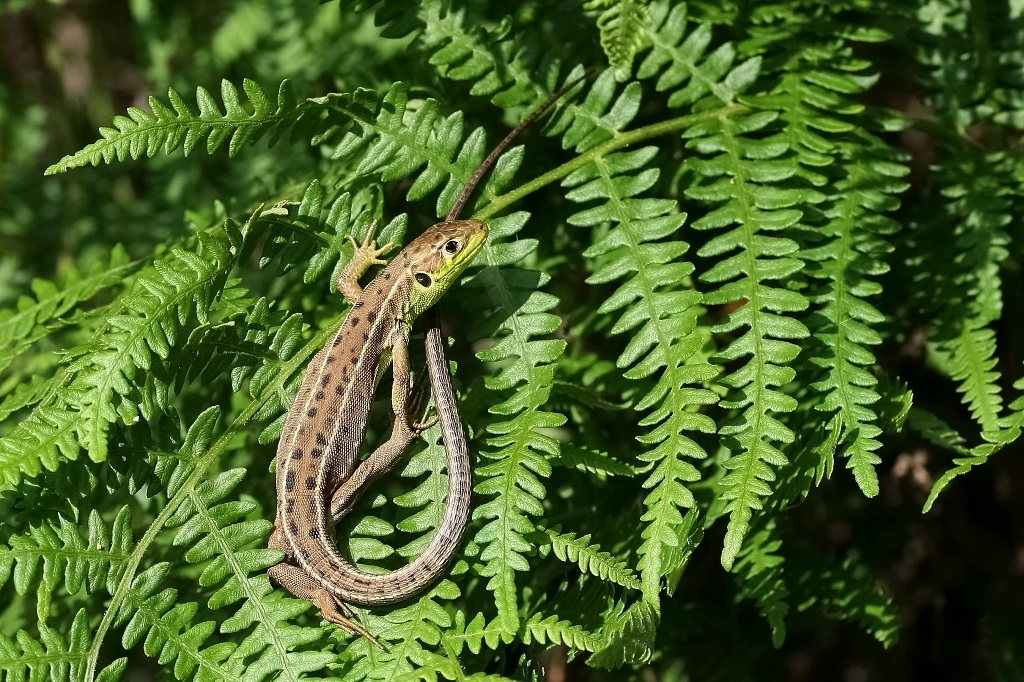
852	593
965	347
578	550
71	558
592	461
462	46
620	24
180	126
715	267
176	288
52	656
978	186
666	341
761	568
739	186
462	51
1009	430
35	318
857	177
551	630
627	636
518	460
847	321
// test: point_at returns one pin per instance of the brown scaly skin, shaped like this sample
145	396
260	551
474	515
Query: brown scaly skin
317	455
319	475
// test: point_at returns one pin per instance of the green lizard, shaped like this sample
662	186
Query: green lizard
319	475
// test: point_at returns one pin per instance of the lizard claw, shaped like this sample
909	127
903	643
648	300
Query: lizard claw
303	586
423	424
419	404
367	251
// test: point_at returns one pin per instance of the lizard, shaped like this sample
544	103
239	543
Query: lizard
319	475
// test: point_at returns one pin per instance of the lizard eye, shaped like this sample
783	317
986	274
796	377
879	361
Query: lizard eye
452	246
423	278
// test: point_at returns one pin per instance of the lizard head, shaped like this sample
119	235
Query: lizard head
438	256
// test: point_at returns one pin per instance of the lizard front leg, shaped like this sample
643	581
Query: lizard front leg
364	256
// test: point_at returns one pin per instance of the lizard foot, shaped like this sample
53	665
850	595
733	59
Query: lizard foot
337	612
303	586
419	404
423	424
365	255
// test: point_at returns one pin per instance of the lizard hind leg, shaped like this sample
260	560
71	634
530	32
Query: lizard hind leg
419	405
303	586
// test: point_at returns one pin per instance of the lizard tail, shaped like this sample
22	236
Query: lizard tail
498	150
359	587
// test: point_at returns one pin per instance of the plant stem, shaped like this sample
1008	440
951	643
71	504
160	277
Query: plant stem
618	142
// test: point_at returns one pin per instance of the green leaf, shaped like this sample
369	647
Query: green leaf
178	124
620	23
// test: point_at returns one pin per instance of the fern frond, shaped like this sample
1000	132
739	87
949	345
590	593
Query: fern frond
513	312
99	386
51	657
743	187
167	128
518	451
171	628
24	394
553	630
589	557
462	49
40	442
846	242
394	141
33	318
165	627
969	358
280	338
847	590
475	634
628	636
978	189
180	287
620	23
654	296
678	58
55	555
216	535
592	461
853	242
759	570
410	627
1009	431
